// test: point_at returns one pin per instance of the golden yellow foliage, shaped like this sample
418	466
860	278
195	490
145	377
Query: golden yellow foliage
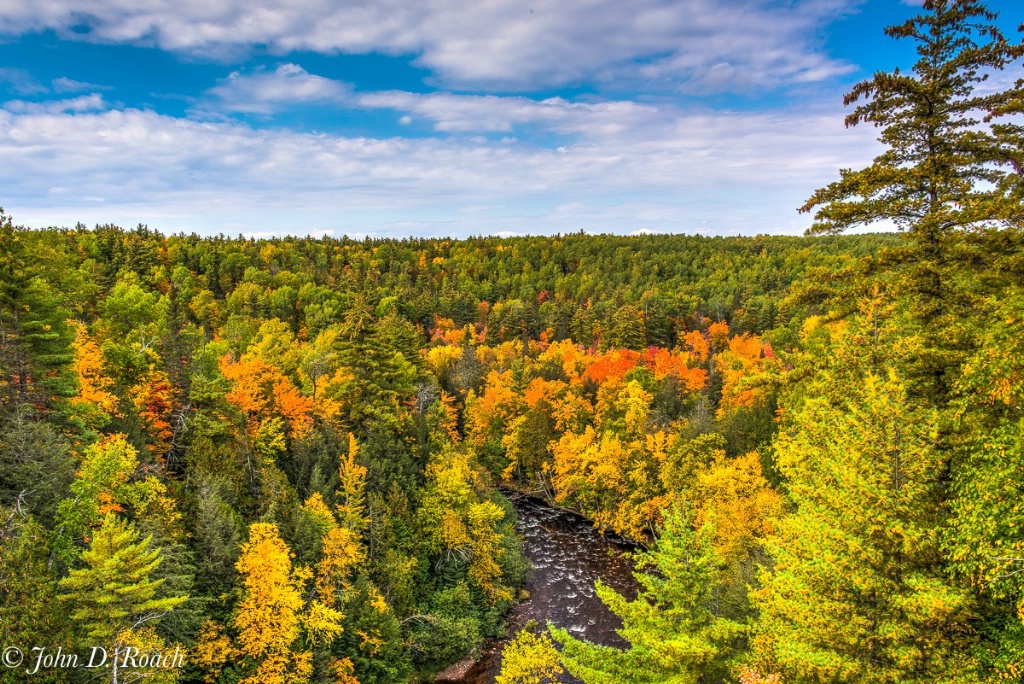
442	359
213	650
718	334
530	659
268	616
344	671
93	386
343	553
351	494
488	414
742	502
613	481
697	344
132	646
568	355
457	522
322	623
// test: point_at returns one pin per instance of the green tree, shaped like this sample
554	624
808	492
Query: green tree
675	635
627	330
114	592
35	466
35	339
942	170
372	637
860	591
985	537
28	613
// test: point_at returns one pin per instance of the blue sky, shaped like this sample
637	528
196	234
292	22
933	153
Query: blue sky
435	117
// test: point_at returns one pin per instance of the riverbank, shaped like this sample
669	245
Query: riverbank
568	555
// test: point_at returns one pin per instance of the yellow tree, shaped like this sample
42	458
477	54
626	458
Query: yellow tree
459	524
351	494
343	549
614	482
95	402
530	659
734	494
269	617
108	482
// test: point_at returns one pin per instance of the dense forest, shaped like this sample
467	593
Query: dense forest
292	459
349	410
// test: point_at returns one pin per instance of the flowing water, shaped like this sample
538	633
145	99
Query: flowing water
568	556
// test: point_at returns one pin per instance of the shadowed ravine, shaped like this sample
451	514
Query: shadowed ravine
568	556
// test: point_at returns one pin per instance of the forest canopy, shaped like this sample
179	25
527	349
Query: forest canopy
264	425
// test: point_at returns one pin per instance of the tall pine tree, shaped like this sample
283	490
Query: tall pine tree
114	592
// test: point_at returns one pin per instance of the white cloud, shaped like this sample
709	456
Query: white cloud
491	113
705	44
84	103
667	171
21	81
70	85
263	92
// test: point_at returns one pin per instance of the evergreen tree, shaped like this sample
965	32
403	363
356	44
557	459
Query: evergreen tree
942	171
35	338
35	465
674	633
28	613
945	172
114	591
372	637
985	538
860	591
627	329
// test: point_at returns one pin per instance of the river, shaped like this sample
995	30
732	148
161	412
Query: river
568	556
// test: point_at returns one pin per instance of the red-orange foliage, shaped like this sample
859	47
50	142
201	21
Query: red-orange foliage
155	401
743	359
539	388
664	363
261	391
488	415
611	366
749	676
697	344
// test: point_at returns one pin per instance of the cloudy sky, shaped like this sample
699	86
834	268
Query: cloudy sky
434	117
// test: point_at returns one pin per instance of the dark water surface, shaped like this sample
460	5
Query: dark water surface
568	556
